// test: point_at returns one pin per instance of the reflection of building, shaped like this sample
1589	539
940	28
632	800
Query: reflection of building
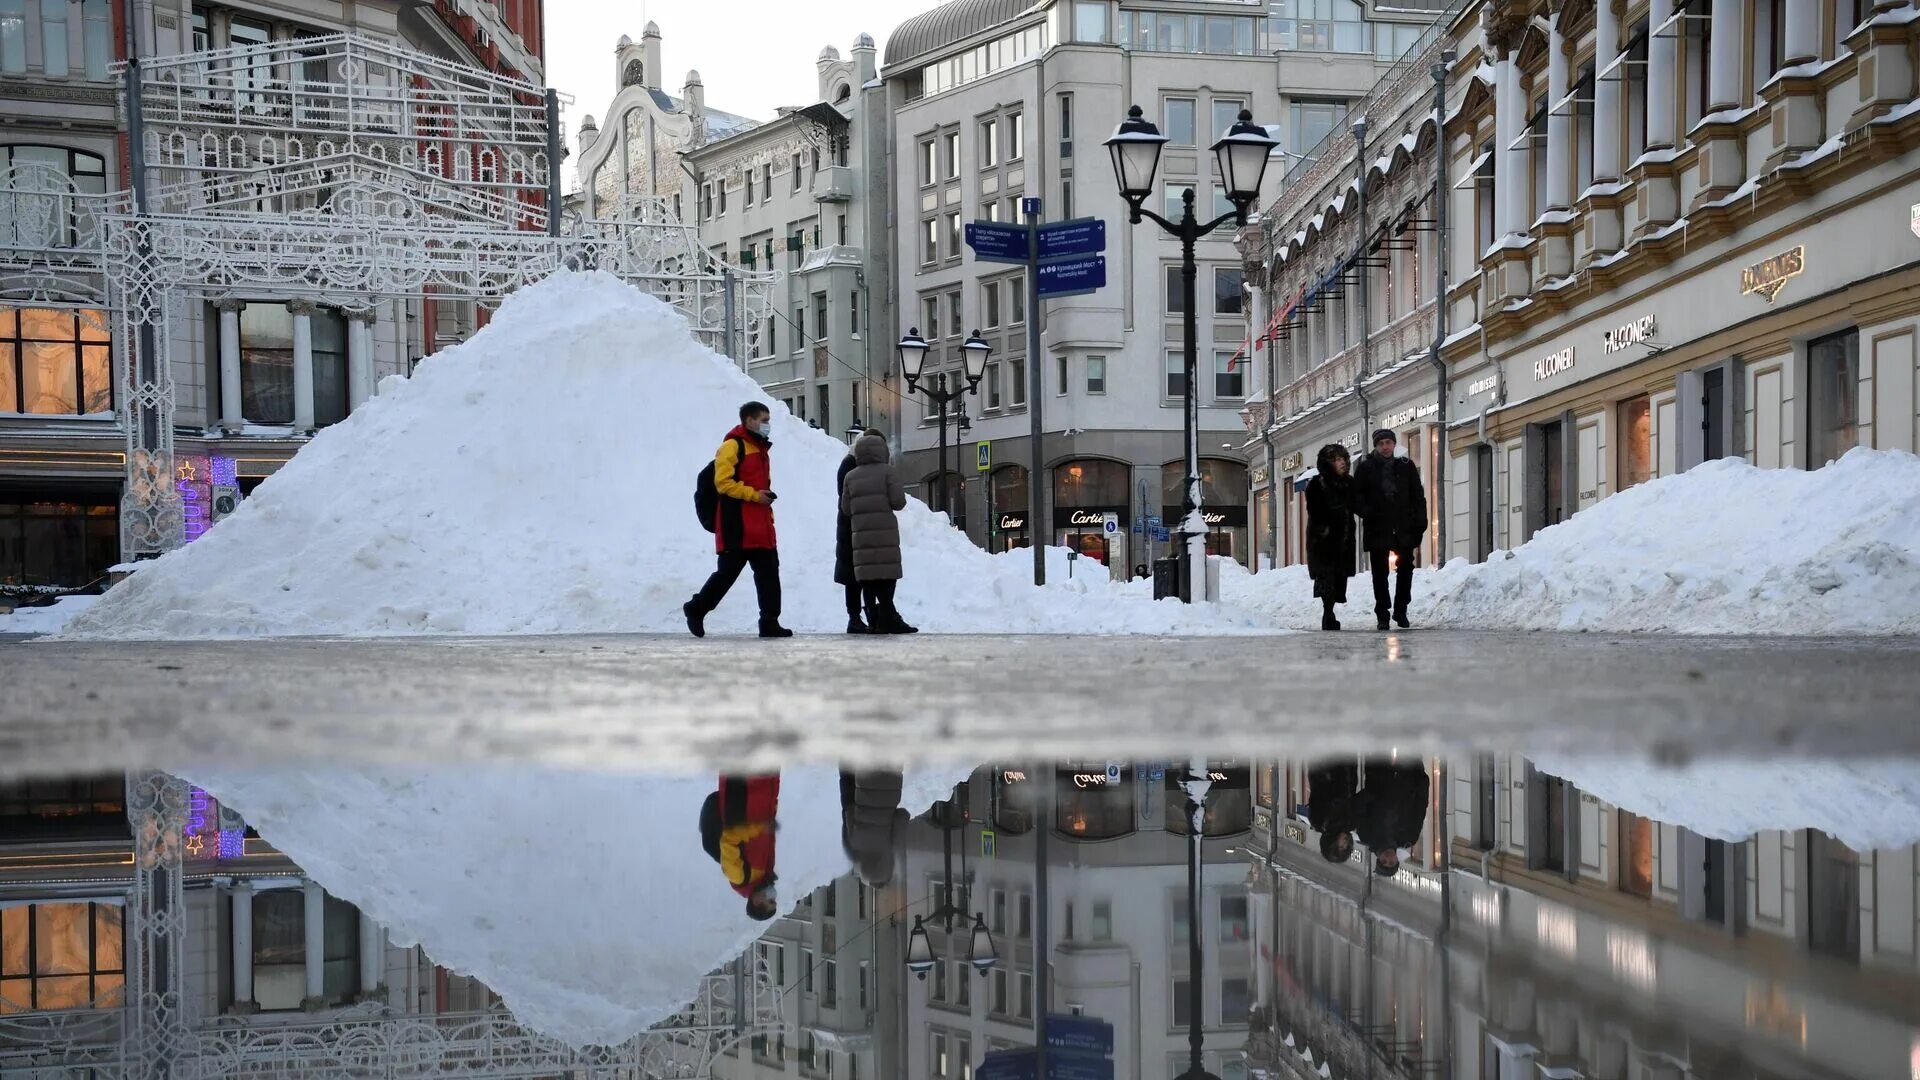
1583	940
1116	884
994	101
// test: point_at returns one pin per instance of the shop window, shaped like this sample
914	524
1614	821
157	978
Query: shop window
266	363
65	545
329	336
61	956
1008	490
1087	807
280	949
1090	482
1636	441
1636	854
1833	897
1833	392
76	808
55	362
1229	807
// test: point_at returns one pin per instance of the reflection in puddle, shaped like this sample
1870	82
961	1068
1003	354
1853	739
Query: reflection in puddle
1577	918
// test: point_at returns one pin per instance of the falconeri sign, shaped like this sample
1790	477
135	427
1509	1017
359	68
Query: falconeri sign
1768	276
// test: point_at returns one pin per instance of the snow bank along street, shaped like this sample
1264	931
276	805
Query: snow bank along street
421	514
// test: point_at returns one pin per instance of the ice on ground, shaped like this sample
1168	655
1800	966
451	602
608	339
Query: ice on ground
584	900
1723	548
45	618
538	478
1866	805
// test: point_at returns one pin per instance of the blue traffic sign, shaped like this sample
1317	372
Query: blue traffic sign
1154	521
1081	236
1073	277
1024	1064
1083	1033
1030	205
1161	535
993	241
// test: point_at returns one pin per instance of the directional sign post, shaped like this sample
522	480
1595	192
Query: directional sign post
1080	236
993	241
1073	277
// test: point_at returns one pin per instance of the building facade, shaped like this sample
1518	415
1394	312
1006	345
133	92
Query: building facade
251	370
994	101
1676	233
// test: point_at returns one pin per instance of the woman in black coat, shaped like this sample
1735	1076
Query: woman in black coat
843	551
1330	530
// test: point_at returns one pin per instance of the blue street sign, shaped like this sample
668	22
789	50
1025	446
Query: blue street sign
1024	1064
1083	1033
1030	205
1081	236
1008	1065
1139	527
993	241
1161	535
1153	521
1073	277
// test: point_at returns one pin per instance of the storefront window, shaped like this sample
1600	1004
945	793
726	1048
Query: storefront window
55	362
1084	492
1014	795
1636	854
1008	490
1636	441
280	950
61	956
266	363
1833	384
329	367
1229	806
74	808
1089	806
62	544
1223	500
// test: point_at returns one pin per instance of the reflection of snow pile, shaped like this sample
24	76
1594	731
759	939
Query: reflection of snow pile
1723	548
538	478
1863	804
583	899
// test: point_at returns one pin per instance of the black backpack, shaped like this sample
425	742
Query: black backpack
706	497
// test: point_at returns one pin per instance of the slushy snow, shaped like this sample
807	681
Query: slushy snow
538	478
583	899
1723	548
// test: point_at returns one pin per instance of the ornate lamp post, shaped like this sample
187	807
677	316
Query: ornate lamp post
1196	785
913	362
980	951
1242	153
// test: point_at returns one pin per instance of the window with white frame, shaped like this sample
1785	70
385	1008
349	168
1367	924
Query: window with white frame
991	389
280	950
929	241
929	164
989	305
930	316
1016	382
1176	381
1017	299
1229	383
1016	136
955	319
937	1055
989	142
1178	114
1096	374
955	236
1176	293
1060	390
1229	295
952	152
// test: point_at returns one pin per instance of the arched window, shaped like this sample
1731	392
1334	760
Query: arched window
1009	491
841	95
1223	500
634	74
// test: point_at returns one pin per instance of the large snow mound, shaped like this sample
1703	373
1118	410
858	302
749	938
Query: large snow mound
583	899
538	479
1723	548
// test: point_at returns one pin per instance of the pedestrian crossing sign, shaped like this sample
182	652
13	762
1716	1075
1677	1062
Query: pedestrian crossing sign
983	456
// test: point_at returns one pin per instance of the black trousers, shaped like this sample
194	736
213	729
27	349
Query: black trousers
853	600
766	581
1402	584
879	596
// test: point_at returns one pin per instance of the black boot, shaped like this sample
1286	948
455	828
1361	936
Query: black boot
696	619
1327	621
897	625
771	628
1400	618
1381	615
857	625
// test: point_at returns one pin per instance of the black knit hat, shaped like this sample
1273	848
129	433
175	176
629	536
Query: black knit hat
1387	434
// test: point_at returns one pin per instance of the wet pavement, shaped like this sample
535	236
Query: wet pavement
657	702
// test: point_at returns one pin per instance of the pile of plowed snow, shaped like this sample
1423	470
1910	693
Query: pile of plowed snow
1724	548
538	478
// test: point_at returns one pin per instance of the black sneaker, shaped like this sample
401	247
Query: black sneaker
774	630
696	619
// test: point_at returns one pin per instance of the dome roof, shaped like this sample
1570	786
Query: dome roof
829	55
625	41
652	30
693	79
955	20
587	122
864	41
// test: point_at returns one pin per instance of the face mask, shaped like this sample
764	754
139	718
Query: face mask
764	429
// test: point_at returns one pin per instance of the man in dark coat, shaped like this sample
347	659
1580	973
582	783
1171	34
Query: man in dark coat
871	496
872	823
843	552
1330	531
737	825
1390	811
743	533
1330	789
1391	503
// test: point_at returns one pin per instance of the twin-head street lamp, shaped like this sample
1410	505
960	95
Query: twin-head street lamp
1241	154
980	950
913	362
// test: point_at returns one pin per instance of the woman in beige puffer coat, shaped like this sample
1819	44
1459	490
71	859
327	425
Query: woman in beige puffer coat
870	497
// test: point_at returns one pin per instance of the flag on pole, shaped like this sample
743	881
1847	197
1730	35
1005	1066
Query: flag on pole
1272	330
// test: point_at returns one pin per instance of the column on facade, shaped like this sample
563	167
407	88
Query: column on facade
1801	35
316	946
1560	193
1726	70
1663	56
373	955
1607	89
360	355
1509	189
231	418
302	364
243	947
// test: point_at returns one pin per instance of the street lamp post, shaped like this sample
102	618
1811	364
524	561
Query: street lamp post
913	362
1242	153
1197	784
981	953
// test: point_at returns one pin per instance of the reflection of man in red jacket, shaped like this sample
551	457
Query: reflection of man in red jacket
743	527
737	825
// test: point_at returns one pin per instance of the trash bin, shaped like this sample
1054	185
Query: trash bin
1166	579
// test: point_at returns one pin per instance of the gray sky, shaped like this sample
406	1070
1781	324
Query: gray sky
751	54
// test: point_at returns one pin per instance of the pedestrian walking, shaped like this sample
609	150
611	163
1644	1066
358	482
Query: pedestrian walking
870	496
872	823
843	552
1393	506
1390	810
736	503
737	827
1330	530
1330	791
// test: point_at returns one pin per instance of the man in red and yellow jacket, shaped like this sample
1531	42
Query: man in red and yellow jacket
737	825
743	527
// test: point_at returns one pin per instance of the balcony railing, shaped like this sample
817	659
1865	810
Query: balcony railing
1392	343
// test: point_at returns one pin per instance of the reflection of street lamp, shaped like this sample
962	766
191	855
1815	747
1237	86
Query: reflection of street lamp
913	361
1197	785
980	950
1241	153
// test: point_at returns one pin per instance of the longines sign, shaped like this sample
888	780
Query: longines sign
1768	276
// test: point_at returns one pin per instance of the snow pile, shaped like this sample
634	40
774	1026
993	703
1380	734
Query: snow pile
582	899
538	479
1866	805
45	618
1723	548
